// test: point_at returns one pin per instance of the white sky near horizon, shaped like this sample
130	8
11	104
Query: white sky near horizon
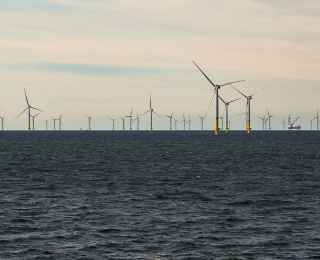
104	58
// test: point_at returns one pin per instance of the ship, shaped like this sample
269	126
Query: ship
291	125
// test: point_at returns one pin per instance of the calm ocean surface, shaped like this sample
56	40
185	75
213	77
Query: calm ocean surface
159	195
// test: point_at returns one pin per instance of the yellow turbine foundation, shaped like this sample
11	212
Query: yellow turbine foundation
217	127
227	127
28	127
150	127
249	128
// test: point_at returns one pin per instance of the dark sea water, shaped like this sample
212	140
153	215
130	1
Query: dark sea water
159	195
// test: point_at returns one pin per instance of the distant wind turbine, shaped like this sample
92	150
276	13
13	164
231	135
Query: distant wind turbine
311	121
89	118
201	123
112	123
151	111
33	120
2	118
46	124
184	122
54	122
226	106
263	121
175	123
284	123
28	108
123	121
130	119
60	122
317	117
189	122
138	120
269	118
248	126
216	87
170	120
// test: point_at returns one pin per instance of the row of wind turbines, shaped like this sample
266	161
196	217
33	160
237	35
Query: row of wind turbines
216	88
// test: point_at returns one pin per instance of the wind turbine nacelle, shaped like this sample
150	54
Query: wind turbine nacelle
249	97
217	87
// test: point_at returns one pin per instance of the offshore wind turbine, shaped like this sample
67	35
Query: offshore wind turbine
226	106
60	121
33	120
170	120
123	121
151	111
311	121
2	118
112	123
216	87
248	126
54	122
175	123
263	121
46	124
89	117
130	119
28	108
184	122
317	117
189	122
269	118
201	123
138	120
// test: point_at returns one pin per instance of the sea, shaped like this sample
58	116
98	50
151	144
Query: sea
159	195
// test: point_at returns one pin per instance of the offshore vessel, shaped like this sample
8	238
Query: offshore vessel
291	124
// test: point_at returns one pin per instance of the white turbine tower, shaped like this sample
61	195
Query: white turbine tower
123	121
131	121
189	122
112	122
33	120
201	123
46	124
184	122
54	122
283	123
151	111
89	118
138	120
226	106
2	118
269	118
60	121
170	120
28	108
175	123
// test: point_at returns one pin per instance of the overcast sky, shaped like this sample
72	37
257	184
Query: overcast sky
104	58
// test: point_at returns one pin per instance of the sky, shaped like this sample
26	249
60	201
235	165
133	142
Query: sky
104	58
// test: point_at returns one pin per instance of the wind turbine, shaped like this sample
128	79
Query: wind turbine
248	126
175	123
170	120
317	117
28	108
311	121
263	121
89	117
54	122
184	122
130	119
284	123
189	122
151	111
269	118
112	123
33	120
60	121
2	118
123	120
216	87
201	118
46	124
226	106
138	120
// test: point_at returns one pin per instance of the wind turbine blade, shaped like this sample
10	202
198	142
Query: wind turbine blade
145	113
86	115
233	100
172	113
156	113
239	92
241	114
167	116
231	82
204	74
37	114
150	100
214	92
131	112
222	99
25	93
61	115
21	113
36	109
